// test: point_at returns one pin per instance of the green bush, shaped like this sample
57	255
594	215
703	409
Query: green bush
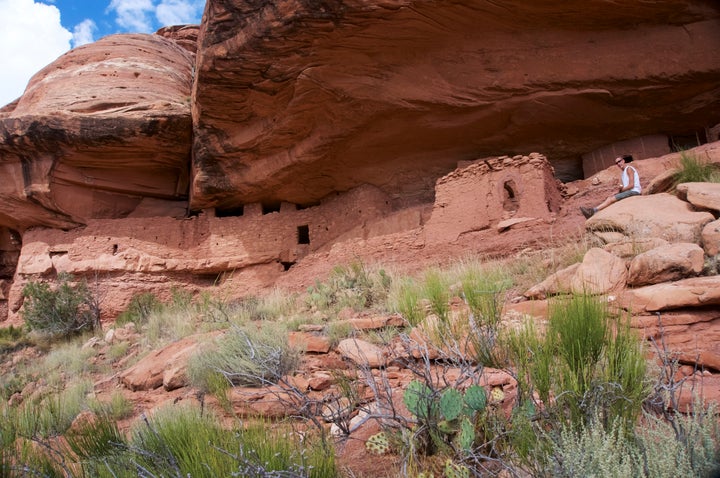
694	170
139	309
245	356
353	286
404	298
65	310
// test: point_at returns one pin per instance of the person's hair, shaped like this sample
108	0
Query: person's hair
627	158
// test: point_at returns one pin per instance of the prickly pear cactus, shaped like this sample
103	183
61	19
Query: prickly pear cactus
451	404
378	444
497	394
466	436
455	470
418	399
475	398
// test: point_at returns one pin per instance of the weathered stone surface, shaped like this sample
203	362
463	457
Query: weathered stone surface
362	353
184	35
600	272
701	195
659	215
711	238
309	342
165	364
629	248
666	263
693	292
490	191
556	283
693	335
104	126
407	88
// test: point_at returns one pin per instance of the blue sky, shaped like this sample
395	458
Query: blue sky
33	33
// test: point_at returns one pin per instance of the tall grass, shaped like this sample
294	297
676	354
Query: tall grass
245	356
694	170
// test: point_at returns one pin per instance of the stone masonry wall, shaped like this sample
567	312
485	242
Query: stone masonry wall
203	249
492	190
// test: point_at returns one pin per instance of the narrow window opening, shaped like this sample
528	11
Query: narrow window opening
114	249
229	212
303	234
270	207
510	200
287	265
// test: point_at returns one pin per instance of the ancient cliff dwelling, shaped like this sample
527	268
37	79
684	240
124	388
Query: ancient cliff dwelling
223	154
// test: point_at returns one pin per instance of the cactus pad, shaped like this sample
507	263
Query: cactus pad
475	398
451	403
378	444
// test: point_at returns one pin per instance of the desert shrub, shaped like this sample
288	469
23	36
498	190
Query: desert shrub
686	445
117	408
187	442
52	414
595	450
139	309
245	356
338	330
12	338
67	309
653	450
168	323
436	289
404	298
693	170
67	359
354	285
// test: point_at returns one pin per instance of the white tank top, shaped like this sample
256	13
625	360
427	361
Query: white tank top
626	179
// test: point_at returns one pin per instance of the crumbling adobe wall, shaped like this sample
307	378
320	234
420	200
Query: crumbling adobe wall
491	190
121	257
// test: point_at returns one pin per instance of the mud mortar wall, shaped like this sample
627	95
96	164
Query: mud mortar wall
488	191
125	256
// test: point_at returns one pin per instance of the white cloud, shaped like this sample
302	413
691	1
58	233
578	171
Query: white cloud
134	15
179	12
83	32
31	37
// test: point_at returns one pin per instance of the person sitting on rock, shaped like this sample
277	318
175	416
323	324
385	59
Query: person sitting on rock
630	186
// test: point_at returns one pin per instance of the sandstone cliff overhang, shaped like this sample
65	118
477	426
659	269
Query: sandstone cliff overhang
294	100
97	132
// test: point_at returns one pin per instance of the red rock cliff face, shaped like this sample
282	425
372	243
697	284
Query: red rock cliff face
296	99
102	132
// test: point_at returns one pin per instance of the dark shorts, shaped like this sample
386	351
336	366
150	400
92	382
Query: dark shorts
626	194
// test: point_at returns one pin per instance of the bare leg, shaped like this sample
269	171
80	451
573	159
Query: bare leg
605	203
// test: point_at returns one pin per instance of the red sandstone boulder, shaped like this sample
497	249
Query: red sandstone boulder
163	367
665	264
659	215
600	272
693	292
704	196
711	238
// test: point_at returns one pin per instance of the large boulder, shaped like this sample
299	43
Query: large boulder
659	215
294	101
665	264
682	294
705	196
102	132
